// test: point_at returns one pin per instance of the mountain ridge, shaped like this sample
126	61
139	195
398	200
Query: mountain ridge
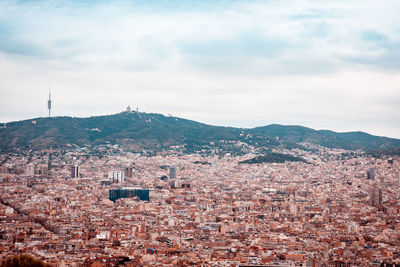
138	131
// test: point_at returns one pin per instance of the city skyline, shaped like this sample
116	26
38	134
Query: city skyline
102	204
331	65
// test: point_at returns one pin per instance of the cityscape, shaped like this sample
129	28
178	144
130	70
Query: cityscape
103	206
226	133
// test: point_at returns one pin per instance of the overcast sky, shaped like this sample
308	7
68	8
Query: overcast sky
324	64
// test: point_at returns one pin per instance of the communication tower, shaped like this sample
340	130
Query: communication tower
49	102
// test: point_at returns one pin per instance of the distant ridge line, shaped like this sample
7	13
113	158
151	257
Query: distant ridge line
151	131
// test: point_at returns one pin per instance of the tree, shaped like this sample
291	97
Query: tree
22	261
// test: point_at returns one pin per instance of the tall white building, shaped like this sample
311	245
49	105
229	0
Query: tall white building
30	170
116	176
75	171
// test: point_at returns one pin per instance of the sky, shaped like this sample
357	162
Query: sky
323	64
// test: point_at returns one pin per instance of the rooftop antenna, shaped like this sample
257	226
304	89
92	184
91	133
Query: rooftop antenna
49	101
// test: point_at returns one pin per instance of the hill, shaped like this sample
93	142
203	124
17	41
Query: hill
326	138
272	158
132	130
155	132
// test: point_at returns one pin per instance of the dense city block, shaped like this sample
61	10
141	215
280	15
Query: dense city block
77	207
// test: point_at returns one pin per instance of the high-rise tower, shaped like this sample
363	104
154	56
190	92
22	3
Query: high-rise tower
49	102
172	172
398	178
375	197
371	174
75	171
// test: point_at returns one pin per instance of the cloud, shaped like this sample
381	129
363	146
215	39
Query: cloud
315	14
238	36
374	37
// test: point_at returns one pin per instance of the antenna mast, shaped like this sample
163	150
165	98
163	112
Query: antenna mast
49	101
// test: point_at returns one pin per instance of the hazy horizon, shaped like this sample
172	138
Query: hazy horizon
329	65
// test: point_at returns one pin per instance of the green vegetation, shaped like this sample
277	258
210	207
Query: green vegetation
136	130
272	158
154	132
330	139
385	152
22	261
